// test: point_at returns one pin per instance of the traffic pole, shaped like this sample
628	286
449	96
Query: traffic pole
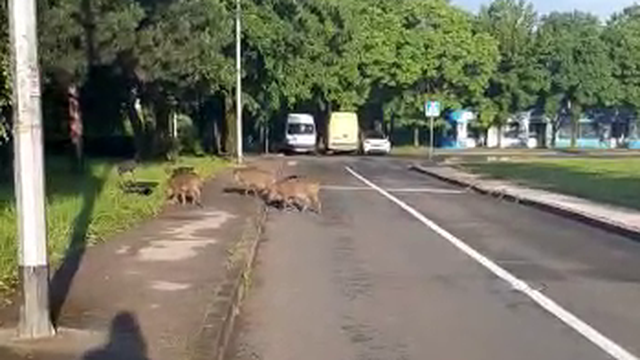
431	138
35	319
238	83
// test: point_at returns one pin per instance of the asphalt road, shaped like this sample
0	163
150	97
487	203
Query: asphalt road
367	280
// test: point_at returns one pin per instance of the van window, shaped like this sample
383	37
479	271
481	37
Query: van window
300	129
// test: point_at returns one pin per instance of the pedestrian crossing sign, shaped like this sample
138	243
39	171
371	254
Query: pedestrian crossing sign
432	108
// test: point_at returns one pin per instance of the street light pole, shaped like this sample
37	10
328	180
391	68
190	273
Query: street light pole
35	319
238	83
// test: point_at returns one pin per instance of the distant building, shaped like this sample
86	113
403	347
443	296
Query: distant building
456	134
600	129
523	130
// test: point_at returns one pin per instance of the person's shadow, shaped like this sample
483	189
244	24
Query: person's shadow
126	341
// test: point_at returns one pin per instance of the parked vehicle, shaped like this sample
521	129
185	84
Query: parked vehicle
343	132
301	135
375	142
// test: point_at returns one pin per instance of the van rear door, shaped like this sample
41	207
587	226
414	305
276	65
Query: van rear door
343	131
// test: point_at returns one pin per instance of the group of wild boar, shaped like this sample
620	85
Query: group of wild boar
292	192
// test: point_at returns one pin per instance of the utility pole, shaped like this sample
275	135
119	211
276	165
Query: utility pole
238	83
35	319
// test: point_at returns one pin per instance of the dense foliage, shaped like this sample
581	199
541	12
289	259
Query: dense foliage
138	64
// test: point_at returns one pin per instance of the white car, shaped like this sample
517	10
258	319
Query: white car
375	142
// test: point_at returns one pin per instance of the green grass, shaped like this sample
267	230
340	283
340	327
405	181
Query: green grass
86	209
409	150
612	181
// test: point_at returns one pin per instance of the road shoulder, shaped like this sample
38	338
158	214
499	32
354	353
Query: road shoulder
615	219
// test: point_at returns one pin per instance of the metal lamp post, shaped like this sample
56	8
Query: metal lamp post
238	84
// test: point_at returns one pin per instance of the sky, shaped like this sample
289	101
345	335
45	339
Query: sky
602	8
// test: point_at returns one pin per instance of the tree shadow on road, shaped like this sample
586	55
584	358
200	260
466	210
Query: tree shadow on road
126	341
63	277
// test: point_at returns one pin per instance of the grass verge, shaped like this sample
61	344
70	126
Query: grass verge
409	151
87	208
612	181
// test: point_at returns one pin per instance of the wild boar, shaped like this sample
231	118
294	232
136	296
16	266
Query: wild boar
186	186
183	170
253	180
296	192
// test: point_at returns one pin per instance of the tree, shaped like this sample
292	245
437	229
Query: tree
623	36
573	53
487	116
5	92
79	42
302	55
5	79
183	54
145	61
439	55
552	105
135	58
518	78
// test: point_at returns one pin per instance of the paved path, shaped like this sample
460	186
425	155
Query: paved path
370	279
159	291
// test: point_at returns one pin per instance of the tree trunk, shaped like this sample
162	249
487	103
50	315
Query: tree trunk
392	127
266	138
162	137
574	131
231	128
416	136
554	131
484	136
136	124
217	137
500	130
75	125
573	112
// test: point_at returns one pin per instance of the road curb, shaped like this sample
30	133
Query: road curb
214	337
586	218
243	281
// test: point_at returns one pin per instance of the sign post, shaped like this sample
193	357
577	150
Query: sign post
431	110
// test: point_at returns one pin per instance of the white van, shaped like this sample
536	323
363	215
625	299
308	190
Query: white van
301	135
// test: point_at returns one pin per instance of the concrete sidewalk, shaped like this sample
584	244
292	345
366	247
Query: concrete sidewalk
165	290
617	219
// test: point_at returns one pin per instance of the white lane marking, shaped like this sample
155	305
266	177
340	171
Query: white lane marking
346	188
401	190
427	190
584	329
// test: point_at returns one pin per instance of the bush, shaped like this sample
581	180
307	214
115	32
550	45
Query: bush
188	139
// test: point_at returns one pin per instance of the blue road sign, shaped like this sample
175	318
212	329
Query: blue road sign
432	108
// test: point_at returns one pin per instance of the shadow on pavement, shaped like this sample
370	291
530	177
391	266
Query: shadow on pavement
63	277
126	341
